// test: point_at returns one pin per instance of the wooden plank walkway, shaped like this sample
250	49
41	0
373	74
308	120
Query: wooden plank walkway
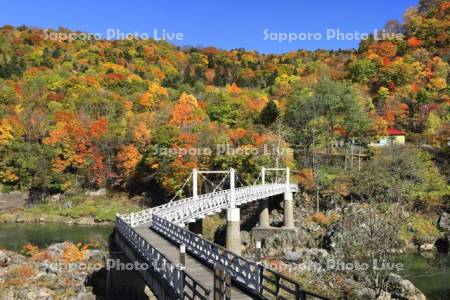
194	267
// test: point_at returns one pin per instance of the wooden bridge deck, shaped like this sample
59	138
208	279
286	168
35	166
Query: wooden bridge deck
194	267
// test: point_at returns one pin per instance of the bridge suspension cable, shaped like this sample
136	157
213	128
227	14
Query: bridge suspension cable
257	179
216	186
222	181
239	180
219	186
206	180
276	178
137	235
182	187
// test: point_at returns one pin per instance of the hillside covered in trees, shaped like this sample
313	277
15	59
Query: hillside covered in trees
94	114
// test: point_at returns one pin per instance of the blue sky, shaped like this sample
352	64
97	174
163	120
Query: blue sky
224	24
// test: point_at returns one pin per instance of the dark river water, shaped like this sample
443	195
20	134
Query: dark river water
431	274
14	236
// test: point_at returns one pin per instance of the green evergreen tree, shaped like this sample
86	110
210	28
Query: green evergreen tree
269	114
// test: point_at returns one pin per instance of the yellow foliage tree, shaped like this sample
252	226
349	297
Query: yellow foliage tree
153	95
141	134
5	132
186	111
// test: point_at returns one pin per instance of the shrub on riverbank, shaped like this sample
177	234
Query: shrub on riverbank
210	226
419	230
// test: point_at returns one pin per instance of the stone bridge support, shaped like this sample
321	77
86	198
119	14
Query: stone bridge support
288	203
264	221
233	242
288	210
264	229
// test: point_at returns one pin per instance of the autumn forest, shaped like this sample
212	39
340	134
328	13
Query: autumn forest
95	114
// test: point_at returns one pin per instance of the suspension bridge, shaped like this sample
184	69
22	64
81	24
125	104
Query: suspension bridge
184	265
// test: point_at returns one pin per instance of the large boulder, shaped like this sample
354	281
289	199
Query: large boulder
308	255
277	244
427	247
308	259
87	220
292	256
12	200
85	296
403	289
94	255
56	250
364	293
356	290
444	221
4	259
276	218
246	238
48	268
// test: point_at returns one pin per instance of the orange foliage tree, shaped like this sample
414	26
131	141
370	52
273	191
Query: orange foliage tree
127	158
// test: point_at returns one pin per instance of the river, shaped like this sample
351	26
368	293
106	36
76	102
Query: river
431	274
14	236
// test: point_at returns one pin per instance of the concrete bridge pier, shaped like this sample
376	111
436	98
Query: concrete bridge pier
288	203
264	214
288	210
233	241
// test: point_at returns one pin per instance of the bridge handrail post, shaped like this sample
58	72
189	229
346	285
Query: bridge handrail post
183	255
180	281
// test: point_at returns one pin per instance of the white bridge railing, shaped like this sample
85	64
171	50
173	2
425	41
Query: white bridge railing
189	209
244	271
167	219
171	273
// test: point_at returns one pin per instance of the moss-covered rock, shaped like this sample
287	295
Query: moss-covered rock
419	230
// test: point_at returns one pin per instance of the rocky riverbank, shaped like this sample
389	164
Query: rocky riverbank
57	272
305	254
311	266
22	216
